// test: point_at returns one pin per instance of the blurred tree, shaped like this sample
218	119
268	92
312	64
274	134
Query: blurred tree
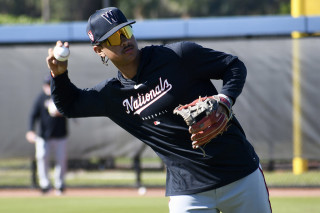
53	10
201	8
45	10
74	10
30	8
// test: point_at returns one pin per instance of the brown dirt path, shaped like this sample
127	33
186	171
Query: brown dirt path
151	192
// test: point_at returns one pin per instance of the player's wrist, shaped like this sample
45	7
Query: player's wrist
226	102
56	74
227	98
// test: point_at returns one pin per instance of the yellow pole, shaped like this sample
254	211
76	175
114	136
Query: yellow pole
299	165
297	9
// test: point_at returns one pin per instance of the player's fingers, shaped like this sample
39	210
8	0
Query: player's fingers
66	44
198	144
205	136
205	122
50	52
50	58
211	131
59	43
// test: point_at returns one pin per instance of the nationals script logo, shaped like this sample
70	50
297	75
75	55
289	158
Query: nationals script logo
143	101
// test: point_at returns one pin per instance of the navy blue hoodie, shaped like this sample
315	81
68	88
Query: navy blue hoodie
167	76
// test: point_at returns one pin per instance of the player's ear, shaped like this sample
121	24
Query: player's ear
98	49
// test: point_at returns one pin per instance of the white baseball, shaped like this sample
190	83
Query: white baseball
61	53
142	190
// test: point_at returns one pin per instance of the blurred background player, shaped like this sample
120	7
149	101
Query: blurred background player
51	139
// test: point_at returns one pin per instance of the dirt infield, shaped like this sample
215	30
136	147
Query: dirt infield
151	192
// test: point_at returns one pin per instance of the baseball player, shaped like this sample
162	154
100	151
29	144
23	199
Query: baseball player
164	96
52	137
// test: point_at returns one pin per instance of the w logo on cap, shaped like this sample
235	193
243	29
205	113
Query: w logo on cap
109	16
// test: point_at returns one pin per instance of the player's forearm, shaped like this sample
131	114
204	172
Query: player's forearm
73	102
234	80
63	92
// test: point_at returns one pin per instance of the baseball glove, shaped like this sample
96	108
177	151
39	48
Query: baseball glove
205	118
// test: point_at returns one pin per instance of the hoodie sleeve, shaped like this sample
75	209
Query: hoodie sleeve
205	63
74	102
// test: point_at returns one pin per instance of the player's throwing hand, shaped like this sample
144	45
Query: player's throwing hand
57	67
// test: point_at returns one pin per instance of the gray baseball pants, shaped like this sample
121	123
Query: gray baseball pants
247	195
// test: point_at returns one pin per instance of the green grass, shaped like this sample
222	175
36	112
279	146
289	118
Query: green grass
114	177
295	204
287	178
13	173
16	172
84	205
131	204
22	177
